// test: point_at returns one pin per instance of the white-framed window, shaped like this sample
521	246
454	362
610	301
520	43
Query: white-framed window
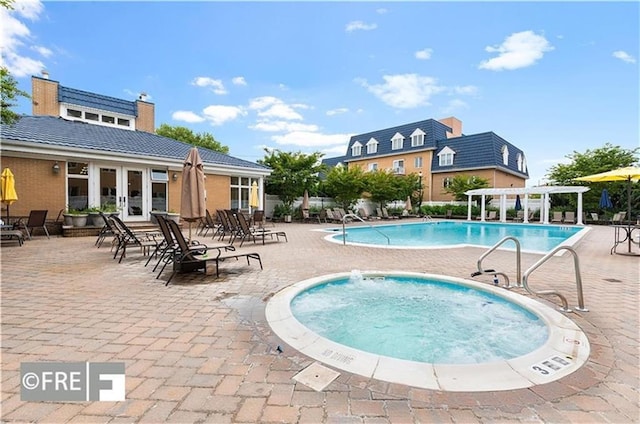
372	146
446	182
446	156
417	162
505	155
372	167
417	138
240	190
397	142
522	163
398	166
356	149
97	116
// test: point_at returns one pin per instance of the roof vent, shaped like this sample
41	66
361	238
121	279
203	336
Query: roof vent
45	74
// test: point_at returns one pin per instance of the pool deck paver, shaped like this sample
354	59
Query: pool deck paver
200	350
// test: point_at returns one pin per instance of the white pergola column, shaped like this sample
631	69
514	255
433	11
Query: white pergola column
469	206
526	209
503	208
483	209
544	217
579	220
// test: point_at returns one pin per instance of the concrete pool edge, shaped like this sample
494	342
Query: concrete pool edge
566	350
332	236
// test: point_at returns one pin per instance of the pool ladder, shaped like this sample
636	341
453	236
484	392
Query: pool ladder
353	215
524	281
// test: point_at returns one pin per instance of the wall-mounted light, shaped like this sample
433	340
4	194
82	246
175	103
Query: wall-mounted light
174	177
55	168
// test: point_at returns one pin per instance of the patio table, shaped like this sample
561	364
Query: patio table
624	233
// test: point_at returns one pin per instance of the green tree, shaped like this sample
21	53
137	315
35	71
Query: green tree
345	185
602	159
463	183
9	93
184	134
292	174
384	186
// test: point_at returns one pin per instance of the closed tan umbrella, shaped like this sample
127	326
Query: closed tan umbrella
254	200
305	200
407	204
193	206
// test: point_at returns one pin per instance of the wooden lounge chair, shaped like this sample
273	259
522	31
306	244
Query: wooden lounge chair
492	216
190	258
385	214
618	217
557	217
569	218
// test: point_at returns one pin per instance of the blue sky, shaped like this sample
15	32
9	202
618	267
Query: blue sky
551	78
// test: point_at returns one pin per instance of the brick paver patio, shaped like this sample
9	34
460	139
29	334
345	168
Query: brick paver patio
200	350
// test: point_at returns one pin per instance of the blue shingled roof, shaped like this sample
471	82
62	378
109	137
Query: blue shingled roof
433	130
477	151
482	150
96	101
49	130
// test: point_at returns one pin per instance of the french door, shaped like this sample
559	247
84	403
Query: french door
126	188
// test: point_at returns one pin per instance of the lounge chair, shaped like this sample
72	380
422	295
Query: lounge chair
9	234
557	217
385	214
594	217
106	230
207	223
246	232
519	216
449	214
618	217
569	218
492	216
126	237
37	219
190	258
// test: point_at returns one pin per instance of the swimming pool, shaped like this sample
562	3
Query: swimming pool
564	350
447	234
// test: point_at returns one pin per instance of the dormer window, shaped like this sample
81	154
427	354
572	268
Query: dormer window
356	149
397	142
446	156
417	138
372	146
505	155
519	161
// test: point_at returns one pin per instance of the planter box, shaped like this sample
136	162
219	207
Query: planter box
79	220
175	217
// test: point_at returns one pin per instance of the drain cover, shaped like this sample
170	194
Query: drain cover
316	376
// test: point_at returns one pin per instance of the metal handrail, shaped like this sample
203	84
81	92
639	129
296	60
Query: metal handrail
353	215
576	264
518	262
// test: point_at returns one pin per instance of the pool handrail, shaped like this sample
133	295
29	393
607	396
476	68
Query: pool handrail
353	215
491	271
576	264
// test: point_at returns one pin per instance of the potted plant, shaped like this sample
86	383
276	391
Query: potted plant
68	217
110	209
95	220
155	214
173	216
78	217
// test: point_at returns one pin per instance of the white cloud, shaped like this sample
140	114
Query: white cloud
311	139
404	91
187	116
43	51
381	11
424	54
454	106
216	85
14	35
359	25
282	126
518	50
624	56
239	81
336	150
259	103
219	114
337	111
466	89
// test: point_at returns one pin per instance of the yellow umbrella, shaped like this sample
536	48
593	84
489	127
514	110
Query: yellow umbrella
254	201
8	187
628	174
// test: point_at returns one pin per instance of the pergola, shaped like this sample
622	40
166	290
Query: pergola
544	191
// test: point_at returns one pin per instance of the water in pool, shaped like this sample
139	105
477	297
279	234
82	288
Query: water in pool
419	319
534	238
